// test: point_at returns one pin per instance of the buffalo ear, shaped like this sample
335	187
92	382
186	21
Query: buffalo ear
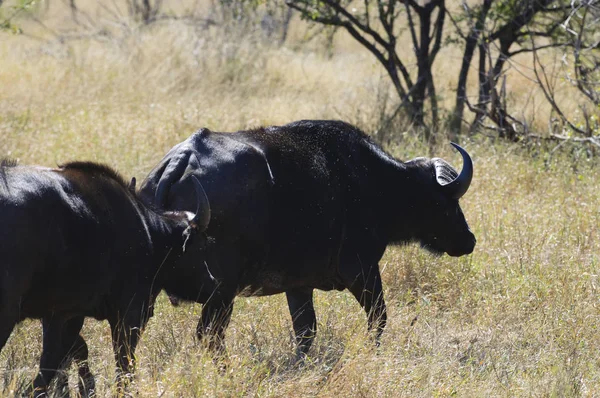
131	186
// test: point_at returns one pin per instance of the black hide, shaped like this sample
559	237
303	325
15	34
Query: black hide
75	242
309	205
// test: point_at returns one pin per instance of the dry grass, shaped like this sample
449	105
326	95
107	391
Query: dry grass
519	317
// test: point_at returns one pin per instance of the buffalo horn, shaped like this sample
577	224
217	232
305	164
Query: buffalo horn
162	191
202	217
457	188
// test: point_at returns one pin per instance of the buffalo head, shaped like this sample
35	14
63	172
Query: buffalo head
440	224
185	224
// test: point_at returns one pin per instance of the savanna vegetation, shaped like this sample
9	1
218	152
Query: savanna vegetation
121	83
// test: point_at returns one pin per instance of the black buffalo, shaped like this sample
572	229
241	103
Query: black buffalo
76	242
309	205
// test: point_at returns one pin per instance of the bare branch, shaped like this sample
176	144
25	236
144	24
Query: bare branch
341	10
438	31
537	48
546	87
564	139
411	25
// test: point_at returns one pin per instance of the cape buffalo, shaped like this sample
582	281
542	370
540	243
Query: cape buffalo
309	205
75	242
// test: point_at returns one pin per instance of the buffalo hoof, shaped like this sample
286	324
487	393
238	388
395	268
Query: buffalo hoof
87	386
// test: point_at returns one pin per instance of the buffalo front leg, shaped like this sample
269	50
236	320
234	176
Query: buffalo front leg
216	314
53	355
365	285
304	320
125	336
75	348
8	320
86	382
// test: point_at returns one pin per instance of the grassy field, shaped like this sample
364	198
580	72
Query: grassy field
518	317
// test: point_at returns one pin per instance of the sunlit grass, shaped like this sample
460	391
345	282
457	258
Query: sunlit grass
519	317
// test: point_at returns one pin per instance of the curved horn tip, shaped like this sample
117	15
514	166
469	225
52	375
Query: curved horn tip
202	216
465	155
458	147
460	185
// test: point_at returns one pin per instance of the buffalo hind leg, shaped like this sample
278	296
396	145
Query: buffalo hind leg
367	289
216	314
304	320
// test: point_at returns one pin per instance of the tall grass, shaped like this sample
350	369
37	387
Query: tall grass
518	317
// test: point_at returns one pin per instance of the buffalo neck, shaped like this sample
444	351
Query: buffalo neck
403	200
166	232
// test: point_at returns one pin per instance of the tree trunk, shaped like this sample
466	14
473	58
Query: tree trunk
73	8
422	64
285	25
484	86
431	93
146	10
461	90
